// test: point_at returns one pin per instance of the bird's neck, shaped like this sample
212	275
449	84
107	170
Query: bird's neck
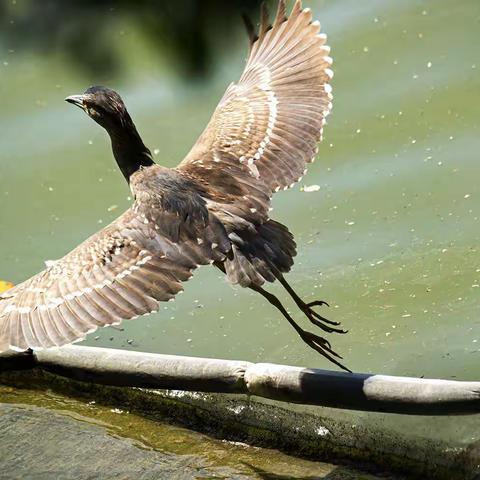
128	148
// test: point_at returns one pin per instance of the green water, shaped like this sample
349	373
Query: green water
390	239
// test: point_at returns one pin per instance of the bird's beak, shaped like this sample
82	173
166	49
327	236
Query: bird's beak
77	100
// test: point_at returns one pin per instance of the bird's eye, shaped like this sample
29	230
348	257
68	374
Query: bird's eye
97	110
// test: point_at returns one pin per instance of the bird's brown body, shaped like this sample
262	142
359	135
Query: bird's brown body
212	208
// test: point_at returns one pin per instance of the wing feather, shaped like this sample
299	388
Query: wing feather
119	273
266	128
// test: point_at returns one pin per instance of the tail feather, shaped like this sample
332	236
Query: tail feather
260	256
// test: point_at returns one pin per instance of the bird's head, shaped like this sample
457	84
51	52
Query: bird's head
103	105
106	107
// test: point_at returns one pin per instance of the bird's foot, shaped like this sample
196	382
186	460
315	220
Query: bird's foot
322	346
317	319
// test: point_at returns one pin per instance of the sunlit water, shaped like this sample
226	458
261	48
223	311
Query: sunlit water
390	239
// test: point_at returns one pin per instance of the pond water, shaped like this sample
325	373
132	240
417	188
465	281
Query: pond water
390	239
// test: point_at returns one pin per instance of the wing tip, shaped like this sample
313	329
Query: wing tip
252	35
265	25
281	15
297	8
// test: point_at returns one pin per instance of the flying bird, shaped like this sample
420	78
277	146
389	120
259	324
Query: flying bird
213	208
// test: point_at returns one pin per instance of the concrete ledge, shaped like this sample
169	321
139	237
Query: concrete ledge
363	392
147	370
265	423
307	386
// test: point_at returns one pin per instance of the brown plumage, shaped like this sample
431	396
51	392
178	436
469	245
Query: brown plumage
212	208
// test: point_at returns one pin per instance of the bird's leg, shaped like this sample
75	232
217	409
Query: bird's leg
319	344
307	309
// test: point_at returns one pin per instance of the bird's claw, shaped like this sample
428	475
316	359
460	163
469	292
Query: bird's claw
319	320
319	303
322	346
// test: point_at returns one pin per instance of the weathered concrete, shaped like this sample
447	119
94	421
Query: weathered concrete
307	386
374	393
147	370
40	444
264	423
72	440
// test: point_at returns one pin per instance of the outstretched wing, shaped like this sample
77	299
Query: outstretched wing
121	272
267	126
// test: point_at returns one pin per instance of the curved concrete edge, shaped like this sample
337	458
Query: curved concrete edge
148	370
375	393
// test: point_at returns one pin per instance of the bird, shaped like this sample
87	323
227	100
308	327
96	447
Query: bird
213	208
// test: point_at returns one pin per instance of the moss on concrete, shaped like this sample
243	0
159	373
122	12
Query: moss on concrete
265	423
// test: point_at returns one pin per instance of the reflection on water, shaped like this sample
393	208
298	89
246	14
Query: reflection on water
390	239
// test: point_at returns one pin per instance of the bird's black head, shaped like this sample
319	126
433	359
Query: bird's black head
107	108
103	105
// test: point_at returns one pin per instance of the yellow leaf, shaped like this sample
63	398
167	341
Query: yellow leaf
5	285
